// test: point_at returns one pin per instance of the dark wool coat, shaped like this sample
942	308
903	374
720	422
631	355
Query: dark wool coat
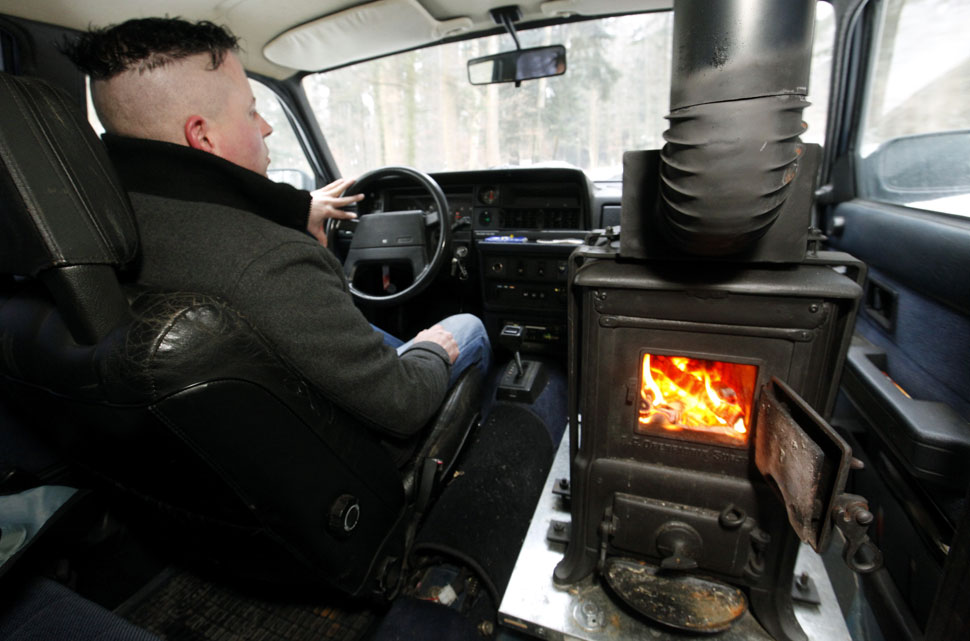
209	226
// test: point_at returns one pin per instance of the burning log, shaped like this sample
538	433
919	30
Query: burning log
706	397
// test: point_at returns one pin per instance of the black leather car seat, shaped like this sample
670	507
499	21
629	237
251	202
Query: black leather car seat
171	399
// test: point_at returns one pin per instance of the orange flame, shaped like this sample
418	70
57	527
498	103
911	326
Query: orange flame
700	396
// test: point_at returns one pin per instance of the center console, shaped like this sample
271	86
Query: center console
524	282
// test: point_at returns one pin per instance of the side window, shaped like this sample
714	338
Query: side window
916	134
818	91
287	161
93	119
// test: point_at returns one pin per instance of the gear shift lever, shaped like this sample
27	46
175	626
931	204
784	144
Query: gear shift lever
526	379
511	338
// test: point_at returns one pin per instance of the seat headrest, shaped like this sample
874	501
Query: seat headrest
60	202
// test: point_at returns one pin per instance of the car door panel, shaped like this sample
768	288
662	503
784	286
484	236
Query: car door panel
917	303
906	378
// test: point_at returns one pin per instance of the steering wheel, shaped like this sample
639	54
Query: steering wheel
395	237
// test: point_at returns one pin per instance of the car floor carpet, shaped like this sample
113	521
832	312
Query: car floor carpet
180	605
483	513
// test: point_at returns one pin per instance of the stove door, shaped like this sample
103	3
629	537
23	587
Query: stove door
807	460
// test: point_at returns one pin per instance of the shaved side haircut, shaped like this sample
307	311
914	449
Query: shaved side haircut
146	44
149	75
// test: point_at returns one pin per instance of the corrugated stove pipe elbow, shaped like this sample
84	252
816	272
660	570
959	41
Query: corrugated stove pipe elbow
740	76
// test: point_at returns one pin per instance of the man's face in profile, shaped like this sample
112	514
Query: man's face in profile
239	131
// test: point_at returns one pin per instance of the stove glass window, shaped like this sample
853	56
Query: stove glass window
695	399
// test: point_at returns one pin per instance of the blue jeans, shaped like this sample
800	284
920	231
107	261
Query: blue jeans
473	345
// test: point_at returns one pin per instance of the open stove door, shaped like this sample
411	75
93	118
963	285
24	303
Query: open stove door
809	464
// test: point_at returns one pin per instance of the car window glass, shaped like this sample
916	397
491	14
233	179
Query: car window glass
93	119
815	115
418	108
914	142
288	163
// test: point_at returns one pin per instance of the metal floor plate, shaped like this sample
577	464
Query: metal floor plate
534	606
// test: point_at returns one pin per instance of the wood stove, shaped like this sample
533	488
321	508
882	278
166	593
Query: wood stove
707	339
651	482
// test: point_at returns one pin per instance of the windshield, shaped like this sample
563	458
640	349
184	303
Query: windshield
418	108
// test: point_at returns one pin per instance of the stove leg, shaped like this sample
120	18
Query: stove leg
772	604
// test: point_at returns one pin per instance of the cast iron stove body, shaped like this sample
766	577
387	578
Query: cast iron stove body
706	344
693	500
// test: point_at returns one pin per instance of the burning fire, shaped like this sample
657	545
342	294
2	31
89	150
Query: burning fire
710	397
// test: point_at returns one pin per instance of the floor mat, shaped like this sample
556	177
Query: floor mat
483	513
181	606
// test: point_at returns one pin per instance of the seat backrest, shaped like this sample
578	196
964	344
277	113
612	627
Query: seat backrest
172	398
65	219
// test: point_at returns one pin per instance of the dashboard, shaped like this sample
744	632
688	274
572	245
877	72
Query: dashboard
519	199
513	232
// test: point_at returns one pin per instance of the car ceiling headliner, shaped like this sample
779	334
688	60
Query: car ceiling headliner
258	22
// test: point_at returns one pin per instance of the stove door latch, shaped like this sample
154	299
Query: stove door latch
852	517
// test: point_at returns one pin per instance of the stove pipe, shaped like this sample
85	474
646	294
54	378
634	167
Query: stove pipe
739	80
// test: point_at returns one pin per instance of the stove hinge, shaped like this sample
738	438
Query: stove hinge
852	517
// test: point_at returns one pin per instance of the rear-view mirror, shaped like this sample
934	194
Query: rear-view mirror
518	65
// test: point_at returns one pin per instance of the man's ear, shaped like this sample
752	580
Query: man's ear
197	134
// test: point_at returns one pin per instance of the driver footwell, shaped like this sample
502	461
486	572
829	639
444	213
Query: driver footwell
467	547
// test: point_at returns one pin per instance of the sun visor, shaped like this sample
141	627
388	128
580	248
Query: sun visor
366	31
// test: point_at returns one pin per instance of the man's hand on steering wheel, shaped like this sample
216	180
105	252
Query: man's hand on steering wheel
326	203
397	237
